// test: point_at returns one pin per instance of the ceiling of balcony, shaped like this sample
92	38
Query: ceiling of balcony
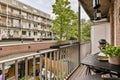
88	6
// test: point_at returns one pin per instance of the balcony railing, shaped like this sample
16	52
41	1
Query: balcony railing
50	64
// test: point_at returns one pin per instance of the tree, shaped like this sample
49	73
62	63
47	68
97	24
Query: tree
85	32
64	22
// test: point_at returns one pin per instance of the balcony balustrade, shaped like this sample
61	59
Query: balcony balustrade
3	12
50	64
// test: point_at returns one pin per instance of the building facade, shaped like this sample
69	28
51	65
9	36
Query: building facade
21	21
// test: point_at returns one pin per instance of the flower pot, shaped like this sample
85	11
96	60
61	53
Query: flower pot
114	60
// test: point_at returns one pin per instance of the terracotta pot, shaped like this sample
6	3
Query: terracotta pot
114	60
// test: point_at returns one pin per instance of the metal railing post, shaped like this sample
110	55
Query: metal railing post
50	65
46	64
41	57
3	71
16	69
34	67
26	68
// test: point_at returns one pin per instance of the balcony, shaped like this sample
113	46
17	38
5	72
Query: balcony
52	63
3	12
3	24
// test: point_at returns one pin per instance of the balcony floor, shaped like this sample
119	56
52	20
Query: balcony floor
81	71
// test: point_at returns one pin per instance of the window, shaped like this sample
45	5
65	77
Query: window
16	23
16	33
3	21
0	8
9	10
9	22
35	25
15	12
30	17
23	32
0	31
4	0
0	20
35	18
29	25
24	15
25	7
35	33
14	2
29	34
10	32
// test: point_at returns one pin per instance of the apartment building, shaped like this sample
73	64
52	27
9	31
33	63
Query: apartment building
20	21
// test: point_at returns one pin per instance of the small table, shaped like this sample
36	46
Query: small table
92	61
95	77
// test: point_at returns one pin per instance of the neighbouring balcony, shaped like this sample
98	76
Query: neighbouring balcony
49	64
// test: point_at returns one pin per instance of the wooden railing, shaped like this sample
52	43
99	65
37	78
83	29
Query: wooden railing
51	64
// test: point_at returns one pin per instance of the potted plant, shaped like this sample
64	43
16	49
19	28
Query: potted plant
113	53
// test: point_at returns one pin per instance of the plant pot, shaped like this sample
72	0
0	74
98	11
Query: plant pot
114	60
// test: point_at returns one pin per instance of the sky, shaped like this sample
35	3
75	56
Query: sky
46	6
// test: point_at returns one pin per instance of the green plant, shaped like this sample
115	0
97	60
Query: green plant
112	50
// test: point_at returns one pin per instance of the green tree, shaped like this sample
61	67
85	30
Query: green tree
64	22
85	31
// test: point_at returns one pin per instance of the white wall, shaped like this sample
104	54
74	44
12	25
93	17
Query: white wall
99	31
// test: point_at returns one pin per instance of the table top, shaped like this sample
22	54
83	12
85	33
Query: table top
95	77
92	60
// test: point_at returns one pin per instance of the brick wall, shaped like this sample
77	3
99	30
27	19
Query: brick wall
15	49
117	21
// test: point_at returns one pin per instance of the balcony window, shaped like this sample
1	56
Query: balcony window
23	32
10	33
15	12
30	17
0	20
16	23
24	15
25	7
9	22
35	33
0	8
15	2
3	20
35	18
35	25
29	34
3	0
29	25
3	9
16	33
9	10
0	31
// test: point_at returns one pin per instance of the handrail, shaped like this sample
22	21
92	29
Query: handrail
65	46
29	55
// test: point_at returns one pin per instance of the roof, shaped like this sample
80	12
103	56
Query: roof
88	7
